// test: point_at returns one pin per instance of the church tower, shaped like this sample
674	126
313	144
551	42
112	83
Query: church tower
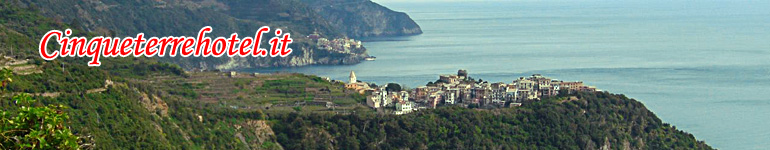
352	77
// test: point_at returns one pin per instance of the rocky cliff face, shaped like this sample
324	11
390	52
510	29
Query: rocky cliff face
364	18
264	137
305	55
334	20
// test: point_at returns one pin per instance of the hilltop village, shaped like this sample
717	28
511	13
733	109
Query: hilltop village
462	90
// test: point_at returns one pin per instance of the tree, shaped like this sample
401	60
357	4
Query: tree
5	76
35	127
393	87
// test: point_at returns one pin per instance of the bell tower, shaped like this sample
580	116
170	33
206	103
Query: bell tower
352	77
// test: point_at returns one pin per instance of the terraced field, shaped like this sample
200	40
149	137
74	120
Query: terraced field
20	67
281	92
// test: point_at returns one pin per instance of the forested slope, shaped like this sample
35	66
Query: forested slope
596	121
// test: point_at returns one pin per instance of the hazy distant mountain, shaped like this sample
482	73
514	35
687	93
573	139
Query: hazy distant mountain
364	18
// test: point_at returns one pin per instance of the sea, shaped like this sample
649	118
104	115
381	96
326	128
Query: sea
702	66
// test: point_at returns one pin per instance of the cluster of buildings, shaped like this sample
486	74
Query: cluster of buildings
354	84
464	91
341	45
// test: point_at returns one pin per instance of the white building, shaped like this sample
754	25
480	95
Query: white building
450	98
404	95
374	101
403	108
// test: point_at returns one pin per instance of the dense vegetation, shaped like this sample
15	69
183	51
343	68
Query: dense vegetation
132	113
35	127
124	115
595	120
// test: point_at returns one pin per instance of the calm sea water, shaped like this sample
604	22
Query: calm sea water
702	66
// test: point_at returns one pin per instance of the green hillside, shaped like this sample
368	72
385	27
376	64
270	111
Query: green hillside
116	106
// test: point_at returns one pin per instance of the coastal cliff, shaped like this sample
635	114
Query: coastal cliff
185	18
305	55
364	18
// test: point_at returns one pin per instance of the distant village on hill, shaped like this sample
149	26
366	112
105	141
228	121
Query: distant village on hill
461	90
339	45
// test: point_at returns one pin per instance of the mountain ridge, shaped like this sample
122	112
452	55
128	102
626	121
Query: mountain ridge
364	18
186	17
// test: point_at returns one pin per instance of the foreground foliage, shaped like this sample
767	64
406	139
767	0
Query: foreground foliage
35	127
